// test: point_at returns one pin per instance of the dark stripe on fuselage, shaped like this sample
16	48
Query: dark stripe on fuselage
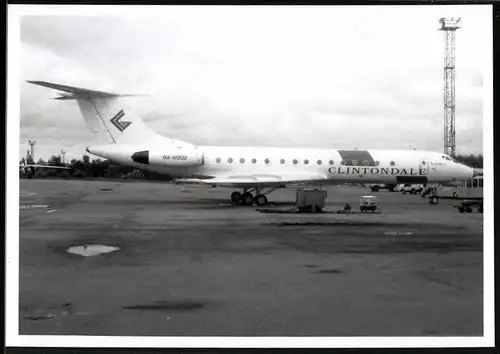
412	179
361	157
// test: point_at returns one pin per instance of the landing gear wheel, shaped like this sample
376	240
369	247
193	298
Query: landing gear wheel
247	198
434	200
375	188
235	197
260	199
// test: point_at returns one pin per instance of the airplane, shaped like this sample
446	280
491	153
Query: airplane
255	171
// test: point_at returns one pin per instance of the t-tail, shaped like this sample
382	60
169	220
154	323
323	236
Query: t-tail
107	117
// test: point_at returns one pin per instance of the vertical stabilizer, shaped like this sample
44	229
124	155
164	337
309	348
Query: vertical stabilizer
107	116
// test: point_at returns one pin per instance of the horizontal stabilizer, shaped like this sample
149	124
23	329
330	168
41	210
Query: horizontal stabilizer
72	92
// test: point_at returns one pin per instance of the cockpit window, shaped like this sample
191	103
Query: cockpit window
449	158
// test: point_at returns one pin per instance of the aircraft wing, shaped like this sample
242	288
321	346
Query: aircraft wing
264	180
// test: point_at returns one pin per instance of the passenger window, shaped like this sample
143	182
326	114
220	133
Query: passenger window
377	163
392	163
282	161
242	160
218	160
366	162
266	160
306	162
331	162
254	160
295	162
342	162
354	162
320	162
230	160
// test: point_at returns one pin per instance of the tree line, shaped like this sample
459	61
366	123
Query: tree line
475	161
85	168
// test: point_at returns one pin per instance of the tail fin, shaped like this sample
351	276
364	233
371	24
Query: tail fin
106	116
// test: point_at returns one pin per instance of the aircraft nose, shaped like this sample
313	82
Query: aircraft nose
465	172
469	172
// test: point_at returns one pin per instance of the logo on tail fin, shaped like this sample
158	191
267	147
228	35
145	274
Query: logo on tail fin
121	126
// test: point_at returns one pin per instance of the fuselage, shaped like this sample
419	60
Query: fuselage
336	165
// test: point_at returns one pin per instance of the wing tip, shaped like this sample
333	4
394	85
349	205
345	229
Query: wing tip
37	82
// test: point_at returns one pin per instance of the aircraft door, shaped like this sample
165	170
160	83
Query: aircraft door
423	168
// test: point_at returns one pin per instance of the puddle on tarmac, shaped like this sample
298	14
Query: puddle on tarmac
398	233
168	305
329	271
325	223
44	314
33	206
92	250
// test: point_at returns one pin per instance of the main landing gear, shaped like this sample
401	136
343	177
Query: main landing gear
247	198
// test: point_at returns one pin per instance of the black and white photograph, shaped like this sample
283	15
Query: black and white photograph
228	176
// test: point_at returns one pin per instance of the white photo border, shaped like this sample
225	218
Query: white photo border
14	339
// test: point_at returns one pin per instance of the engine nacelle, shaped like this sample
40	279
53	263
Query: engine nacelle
180	158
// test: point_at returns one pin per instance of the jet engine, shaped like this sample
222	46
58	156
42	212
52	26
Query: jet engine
180	158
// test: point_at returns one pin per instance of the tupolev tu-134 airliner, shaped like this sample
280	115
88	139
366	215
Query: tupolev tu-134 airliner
256	171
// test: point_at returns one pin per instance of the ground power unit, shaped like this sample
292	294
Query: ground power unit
311	200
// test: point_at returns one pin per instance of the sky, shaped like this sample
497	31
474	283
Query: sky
327	77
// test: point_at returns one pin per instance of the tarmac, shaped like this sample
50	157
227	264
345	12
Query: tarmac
182	261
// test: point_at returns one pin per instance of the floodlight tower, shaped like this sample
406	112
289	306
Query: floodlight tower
32	148
63	153
449	26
